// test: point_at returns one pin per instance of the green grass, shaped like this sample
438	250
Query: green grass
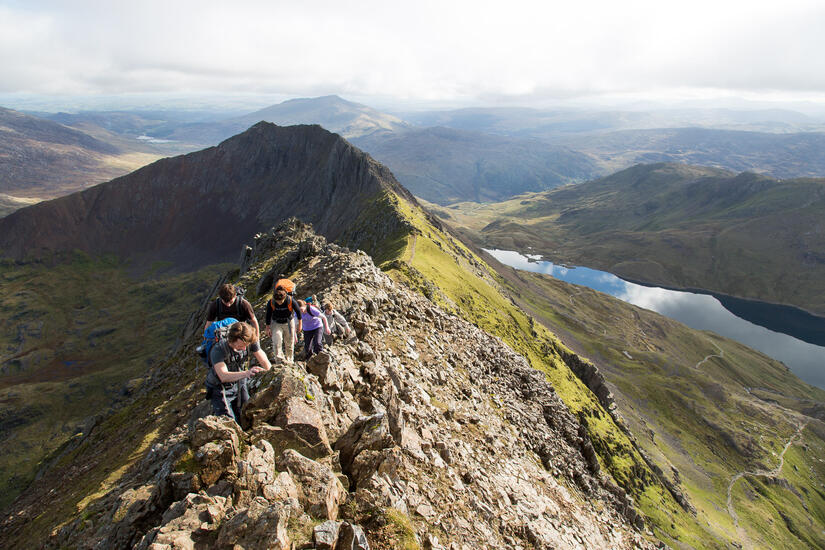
697	421
71	335
465	285
672	225
703	422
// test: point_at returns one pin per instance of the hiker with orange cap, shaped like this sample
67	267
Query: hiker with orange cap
280	324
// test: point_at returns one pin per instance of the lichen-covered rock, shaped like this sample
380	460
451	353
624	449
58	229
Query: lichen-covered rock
351	537
385	463
215	428
255	472
188	524
276	388
216	459
305	421
325	534
321	493
261	526
366	433
282	439
325	369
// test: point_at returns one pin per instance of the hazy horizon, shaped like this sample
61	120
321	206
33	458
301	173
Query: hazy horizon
89	55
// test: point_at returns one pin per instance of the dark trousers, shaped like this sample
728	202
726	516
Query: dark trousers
313	341
228	399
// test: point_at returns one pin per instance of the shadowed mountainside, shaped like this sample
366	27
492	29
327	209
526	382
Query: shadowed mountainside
443	165
199	208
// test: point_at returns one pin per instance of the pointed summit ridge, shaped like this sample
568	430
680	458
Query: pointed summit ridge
199	208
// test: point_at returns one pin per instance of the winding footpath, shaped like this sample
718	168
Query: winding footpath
719	355
762	473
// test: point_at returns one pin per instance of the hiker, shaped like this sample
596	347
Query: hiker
314	325
338	326
280	324
230	304
226	381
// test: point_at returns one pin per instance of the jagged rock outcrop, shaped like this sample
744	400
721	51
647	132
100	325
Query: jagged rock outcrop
423	417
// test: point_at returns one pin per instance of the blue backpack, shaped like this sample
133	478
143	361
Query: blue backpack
212	335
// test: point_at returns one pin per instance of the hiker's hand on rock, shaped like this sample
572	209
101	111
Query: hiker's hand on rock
327	331
255	370
268	331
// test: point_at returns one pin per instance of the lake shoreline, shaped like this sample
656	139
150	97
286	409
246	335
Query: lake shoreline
785	333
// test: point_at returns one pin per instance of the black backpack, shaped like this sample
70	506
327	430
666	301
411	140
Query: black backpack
238	308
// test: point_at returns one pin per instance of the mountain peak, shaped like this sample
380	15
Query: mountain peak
199	208
335	113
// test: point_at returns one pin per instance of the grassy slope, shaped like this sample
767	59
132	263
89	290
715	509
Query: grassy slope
442	268
113	446
707	422
676	226
466	285
72	335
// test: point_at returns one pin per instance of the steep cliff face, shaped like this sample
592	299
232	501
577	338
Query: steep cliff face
199	208
419	431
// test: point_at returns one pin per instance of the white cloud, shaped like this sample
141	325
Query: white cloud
453	51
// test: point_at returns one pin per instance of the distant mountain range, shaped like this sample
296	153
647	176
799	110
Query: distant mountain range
552	124
463	155
346	118
674	225
444	165
41	158
792	155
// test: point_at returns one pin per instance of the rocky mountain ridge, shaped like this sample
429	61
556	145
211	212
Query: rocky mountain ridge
422	431
167	211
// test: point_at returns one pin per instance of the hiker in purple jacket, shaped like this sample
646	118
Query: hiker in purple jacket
315	326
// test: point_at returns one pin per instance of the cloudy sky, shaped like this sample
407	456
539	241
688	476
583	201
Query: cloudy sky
437	52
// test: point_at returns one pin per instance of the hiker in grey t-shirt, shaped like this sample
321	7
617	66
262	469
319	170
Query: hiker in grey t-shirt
338	326
227	379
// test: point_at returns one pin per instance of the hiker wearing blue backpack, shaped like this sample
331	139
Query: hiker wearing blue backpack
227	378
231	303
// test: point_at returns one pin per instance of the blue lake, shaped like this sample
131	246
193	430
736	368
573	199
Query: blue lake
787	334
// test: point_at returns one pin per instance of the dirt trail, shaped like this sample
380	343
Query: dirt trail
720	355
746	543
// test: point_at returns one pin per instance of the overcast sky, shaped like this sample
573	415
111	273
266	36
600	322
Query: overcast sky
439	52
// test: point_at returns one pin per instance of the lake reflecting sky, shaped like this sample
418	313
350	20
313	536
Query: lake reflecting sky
699	311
